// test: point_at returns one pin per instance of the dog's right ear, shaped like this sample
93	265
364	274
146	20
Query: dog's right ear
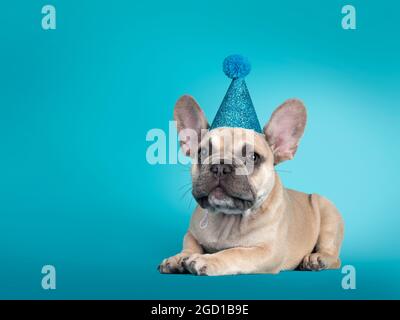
190	123
285	128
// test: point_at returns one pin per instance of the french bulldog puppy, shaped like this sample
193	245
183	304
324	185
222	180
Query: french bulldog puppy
249	223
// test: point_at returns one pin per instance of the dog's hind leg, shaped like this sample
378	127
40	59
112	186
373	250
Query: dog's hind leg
327	249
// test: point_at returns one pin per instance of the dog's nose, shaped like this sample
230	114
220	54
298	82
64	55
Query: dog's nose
220	170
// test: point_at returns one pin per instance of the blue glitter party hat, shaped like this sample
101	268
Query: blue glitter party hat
237	109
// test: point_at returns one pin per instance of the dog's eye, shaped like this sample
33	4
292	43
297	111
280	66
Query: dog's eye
254	157
202	154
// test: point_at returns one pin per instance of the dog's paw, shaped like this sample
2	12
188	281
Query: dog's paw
201	265
317	261
172	264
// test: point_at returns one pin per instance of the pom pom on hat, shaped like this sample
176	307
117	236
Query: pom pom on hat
236	66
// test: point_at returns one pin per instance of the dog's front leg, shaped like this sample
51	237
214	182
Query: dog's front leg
174	263
234	261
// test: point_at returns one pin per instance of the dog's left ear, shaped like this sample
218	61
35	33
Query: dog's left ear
285	128
190	123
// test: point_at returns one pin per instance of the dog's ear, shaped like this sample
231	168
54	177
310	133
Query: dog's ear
285	128
190	122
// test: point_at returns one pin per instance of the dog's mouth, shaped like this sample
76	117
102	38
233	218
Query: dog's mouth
220	200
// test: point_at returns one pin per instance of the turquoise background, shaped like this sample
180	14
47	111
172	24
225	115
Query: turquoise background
77	102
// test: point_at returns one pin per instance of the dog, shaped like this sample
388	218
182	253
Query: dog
249	223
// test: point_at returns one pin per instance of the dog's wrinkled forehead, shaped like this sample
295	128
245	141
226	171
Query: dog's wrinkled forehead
234	140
